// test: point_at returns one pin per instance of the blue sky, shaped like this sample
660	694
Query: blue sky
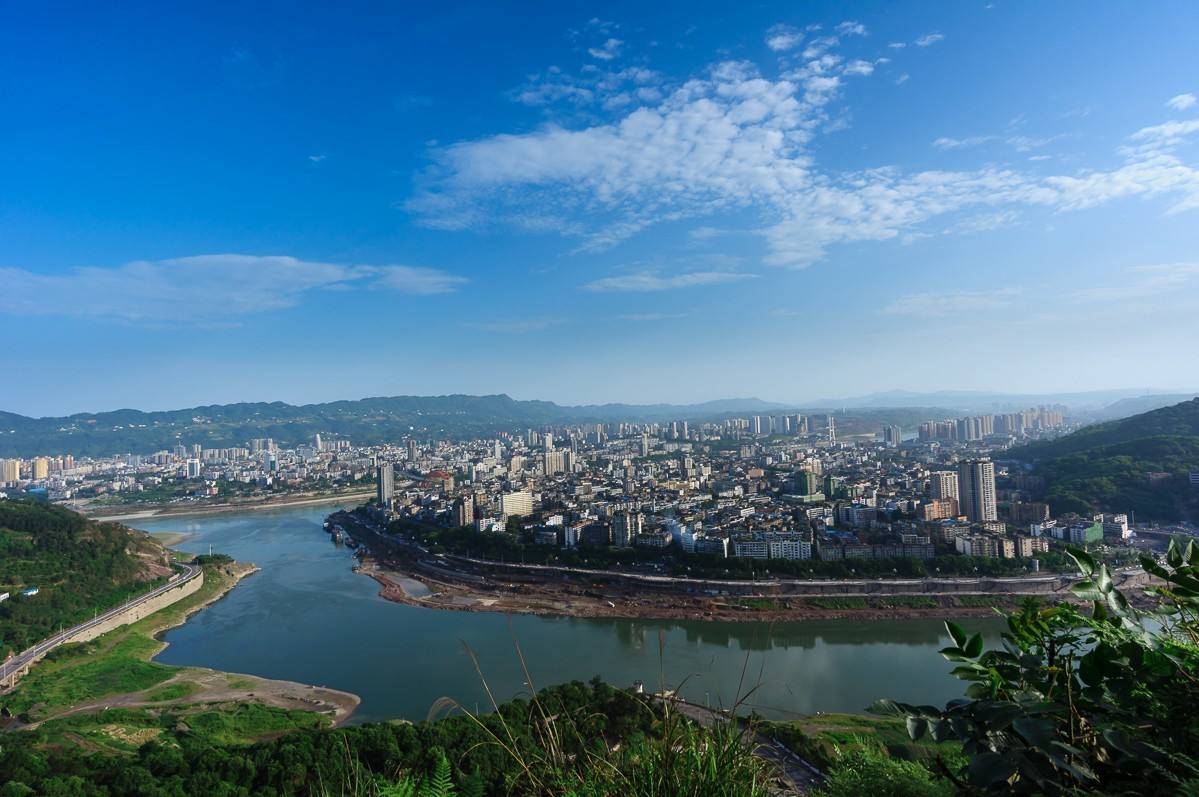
591	202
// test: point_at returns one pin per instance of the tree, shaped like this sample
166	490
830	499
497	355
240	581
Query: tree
1077	702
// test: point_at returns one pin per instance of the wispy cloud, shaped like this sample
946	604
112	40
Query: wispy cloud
951	303
731	140
606	51
317	158
851	27
781	38
1182	102
646	282
946	142
1143	282
929	39
205	289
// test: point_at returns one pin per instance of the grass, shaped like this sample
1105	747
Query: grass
821	738
176	690
119	663
121	667
116	663
124	730
241	723
761	604
837	603
983	601
906	602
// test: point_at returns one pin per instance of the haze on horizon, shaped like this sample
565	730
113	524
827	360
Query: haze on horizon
597	203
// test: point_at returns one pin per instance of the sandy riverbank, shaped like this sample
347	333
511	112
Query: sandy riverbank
123	514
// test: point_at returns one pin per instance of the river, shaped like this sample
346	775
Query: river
306	617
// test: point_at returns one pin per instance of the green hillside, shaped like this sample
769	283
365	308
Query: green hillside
1107	466
78	565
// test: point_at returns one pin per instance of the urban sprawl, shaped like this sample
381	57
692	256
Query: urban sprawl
768	487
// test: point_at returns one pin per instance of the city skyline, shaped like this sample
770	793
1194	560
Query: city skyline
595	204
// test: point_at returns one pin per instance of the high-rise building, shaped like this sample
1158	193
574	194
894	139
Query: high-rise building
411	450
464	511
625	528
41	468
384	484
549	441
516	504
193	469
645	445
943	484
316	443
892	435
832	429
976	490
10	470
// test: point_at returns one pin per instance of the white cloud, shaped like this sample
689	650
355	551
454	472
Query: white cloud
647	282
945	142
929	39
414	280
1182	102
732	140
606	52
858	67
205	289
897	45
611	89
851	28
317	158
951	303
781	38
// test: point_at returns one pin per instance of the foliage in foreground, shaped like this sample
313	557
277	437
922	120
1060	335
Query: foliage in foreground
1080	703
576	739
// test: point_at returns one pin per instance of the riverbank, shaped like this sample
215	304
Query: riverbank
115	678
135	512
548	599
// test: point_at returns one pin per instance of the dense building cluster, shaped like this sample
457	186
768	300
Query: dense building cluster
764	487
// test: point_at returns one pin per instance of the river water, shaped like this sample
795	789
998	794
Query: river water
306	617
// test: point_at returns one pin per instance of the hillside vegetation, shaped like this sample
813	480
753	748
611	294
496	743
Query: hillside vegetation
1107	466
79	566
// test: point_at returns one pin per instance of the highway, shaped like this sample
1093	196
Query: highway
18	662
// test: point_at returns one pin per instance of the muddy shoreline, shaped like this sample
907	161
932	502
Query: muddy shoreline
562	600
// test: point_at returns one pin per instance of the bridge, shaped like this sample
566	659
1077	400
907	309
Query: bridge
18	665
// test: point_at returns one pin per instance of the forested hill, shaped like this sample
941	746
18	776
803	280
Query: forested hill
77	565
364	421
1139	464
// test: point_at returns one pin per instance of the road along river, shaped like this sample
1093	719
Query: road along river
307	617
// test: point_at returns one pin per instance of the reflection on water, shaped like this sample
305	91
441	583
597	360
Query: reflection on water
306	617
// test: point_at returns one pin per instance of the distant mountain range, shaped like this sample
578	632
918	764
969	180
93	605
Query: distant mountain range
1084	403
389	419
373	420
1139	464
365	420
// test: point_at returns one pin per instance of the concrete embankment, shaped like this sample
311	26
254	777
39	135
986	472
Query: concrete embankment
130	614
